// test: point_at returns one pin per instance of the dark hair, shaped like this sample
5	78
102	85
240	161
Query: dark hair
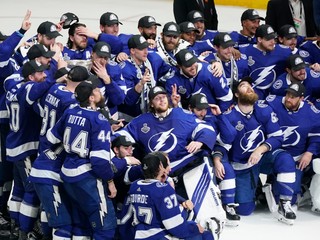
71	32
151	163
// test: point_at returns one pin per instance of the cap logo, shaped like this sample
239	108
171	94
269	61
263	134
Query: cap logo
127	139
295	87
45	48
113	17
292	30
255	12
157	89
38	64
188	56
197	15
142	39
64	17
151	19
53	28
172	28
104	49
270	30
190	25
203	100
226	38
297	61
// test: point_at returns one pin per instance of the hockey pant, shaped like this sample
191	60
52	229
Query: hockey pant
315	184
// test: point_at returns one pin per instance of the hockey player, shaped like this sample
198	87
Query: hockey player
86	171
266	59
147	27
256	150
156	210
300	124
197	77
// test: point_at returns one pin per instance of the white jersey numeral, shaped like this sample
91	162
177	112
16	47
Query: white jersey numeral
49	117
78	144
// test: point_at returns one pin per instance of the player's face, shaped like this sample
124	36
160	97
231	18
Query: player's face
44	60
266	45
225	54
45	40
250	26
170	42
292	102
201	27
189	37
38	76
160	103
164	172
79	41
190	71
124	151
246	95
149	33
98	99
200	113
299	74
139	56
102	60
110	29
290	42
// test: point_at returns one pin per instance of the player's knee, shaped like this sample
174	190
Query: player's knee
246	209
316	165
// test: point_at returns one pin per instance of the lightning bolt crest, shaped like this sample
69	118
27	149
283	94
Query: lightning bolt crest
288	132
162	139
251	139
263	74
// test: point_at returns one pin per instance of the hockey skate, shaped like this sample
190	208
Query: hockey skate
315	210
285	212
215	226
233	218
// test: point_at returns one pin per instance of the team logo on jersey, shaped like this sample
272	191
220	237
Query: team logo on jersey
145	128
278	84
163	141
239	126
251	140
291	136
263	77
251	61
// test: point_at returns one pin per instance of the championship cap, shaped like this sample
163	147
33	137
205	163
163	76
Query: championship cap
85	88
121	141
137	41
39	50
109	19
224	40
287	31
195	16
236	84
297	89
78	74
186	27
250	14
153	92
147	21
199	101
49	29
3	37
31	67
61	72
185	58
265	31
102	49
295	62
68	19
171	29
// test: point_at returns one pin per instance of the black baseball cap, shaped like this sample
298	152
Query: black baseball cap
3	37
295	62
121	141
137	41
288	31
297	89
85	88
78	74
39	50
31	67
61	72
49	29
195	16
236	84
109	18
186	27
250	14
185	58
102	49
68	19
265	31
199	101
224	40
147	21
171	29
153	92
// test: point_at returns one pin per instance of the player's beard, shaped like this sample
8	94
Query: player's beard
101	103
247	98
161	109
151	36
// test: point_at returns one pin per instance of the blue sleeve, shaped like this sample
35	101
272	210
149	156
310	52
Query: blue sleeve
114	42
7	46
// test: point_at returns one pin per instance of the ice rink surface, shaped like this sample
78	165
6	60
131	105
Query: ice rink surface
259	226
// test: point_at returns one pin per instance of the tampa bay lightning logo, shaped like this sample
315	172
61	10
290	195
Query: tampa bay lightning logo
163	141
263	77
291	137
251	140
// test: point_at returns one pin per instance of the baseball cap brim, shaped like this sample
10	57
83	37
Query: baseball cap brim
293	92
143	46
299	66
53	34
171	33
228	44
270	36
190	62
49	54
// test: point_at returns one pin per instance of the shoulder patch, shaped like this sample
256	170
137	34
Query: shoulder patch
270	98
278	84
283	46
187	111
243	56
102	117
112	63
244	45
303	53
314	74
209	68
314	109
262	104
122	64
161	184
